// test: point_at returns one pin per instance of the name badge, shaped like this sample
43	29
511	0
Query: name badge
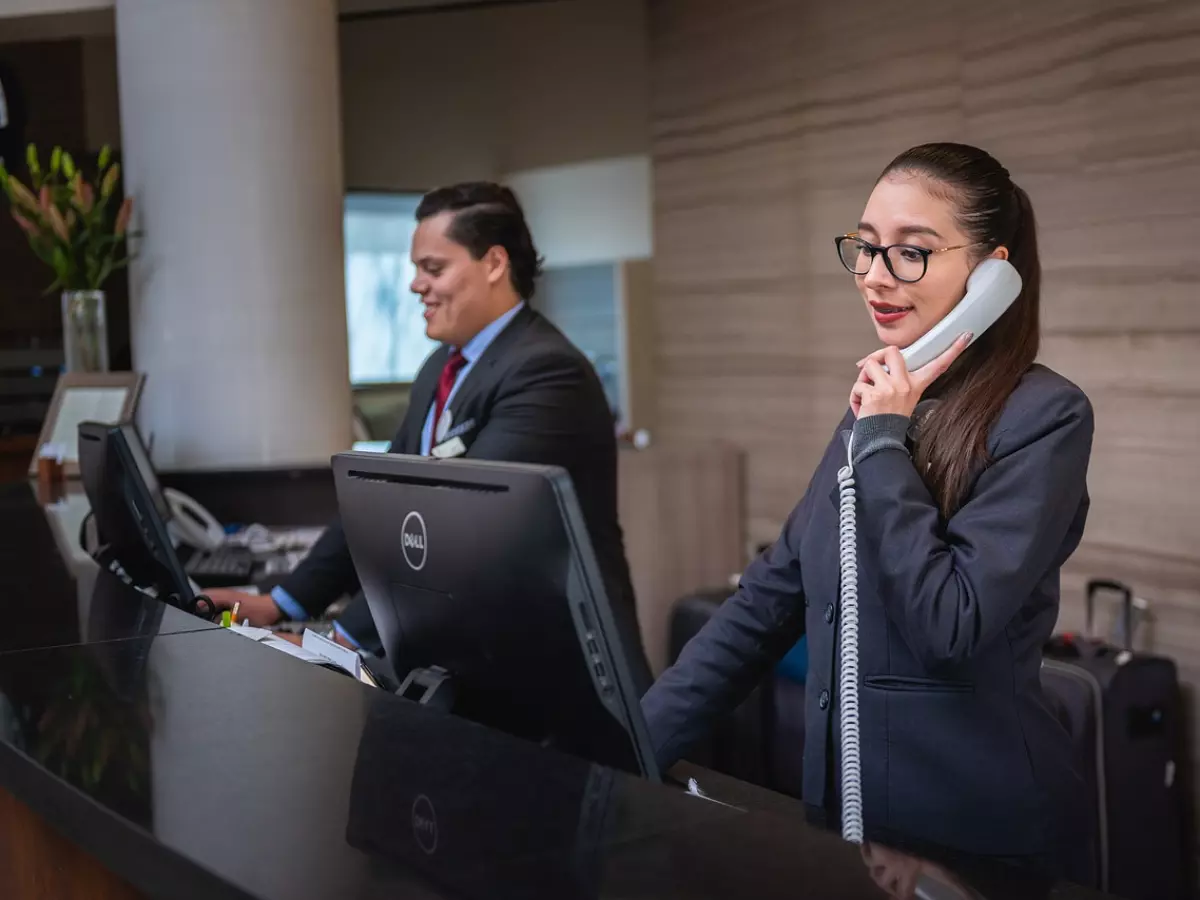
445	420
452	447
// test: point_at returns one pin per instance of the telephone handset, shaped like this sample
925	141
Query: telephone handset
991	289
191	523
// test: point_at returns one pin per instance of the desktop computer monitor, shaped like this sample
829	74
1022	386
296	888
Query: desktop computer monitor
131	514
481	575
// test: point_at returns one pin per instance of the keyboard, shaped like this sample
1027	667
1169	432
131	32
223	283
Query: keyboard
221	567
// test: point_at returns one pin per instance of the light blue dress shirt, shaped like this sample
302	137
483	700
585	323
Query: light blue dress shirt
471	351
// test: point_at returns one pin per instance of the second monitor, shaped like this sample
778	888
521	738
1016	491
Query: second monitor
481	576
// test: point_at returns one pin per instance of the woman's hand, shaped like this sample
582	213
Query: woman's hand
895	873
895	389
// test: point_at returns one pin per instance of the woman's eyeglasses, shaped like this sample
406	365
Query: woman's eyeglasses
906	262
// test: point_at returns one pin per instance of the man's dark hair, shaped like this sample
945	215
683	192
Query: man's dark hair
488	215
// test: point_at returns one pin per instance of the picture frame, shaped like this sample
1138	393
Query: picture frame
85	397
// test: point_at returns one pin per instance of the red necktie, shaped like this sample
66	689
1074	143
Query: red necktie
454	363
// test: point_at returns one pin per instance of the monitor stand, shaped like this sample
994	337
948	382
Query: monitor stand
432	687
200	605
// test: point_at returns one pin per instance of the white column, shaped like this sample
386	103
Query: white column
232	149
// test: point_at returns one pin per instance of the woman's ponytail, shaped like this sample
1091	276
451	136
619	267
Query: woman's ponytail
993	212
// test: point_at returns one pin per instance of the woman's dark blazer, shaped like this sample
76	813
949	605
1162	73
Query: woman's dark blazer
959	745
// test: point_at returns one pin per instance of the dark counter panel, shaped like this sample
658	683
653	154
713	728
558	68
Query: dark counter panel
194	763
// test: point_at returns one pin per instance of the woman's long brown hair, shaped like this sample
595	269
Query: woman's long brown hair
952	445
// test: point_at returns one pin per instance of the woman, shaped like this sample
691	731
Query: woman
966	510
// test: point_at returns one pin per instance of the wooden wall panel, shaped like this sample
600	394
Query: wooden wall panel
771	120
681	511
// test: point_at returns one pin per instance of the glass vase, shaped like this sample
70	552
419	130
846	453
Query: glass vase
85	331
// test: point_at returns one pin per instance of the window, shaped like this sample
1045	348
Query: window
383	317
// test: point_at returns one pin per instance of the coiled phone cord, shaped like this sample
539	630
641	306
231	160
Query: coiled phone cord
852	804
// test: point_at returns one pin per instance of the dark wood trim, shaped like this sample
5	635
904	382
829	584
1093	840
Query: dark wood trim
466	6
37	861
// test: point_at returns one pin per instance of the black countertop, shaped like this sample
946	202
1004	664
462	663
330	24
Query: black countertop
196	763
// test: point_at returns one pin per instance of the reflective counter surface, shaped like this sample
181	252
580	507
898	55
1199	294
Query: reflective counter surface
195	763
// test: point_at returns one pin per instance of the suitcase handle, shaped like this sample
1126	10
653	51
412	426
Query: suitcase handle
1105	584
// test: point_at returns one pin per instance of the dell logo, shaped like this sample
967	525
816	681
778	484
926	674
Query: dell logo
424	824
412	540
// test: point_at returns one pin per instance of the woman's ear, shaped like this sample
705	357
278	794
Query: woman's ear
1000	252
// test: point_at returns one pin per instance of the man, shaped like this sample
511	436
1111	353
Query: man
505	385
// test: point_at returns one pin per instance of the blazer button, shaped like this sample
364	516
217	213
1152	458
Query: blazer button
823	701
829	613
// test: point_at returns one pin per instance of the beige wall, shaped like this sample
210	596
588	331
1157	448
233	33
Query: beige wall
443	96
552	97
590	212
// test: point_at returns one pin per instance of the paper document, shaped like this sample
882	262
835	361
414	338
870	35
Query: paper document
255	634
315	649
333	651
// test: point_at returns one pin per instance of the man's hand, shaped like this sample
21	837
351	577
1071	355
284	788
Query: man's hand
258	610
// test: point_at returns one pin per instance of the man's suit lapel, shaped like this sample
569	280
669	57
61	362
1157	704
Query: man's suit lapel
408	439
480	375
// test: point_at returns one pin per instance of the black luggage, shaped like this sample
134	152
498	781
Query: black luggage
1124	710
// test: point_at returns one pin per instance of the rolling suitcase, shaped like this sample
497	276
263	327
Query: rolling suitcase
1124	710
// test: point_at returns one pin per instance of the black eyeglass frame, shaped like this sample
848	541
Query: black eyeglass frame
874	249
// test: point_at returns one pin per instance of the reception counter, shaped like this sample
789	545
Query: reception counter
144	752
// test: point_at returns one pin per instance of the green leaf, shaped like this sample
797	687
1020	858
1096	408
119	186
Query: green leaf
31	159
56	160
68	165
105	156
105	271
44	253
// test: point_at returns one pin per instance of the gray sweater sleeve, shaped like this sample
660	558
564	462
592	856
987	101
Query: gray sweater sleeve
879	432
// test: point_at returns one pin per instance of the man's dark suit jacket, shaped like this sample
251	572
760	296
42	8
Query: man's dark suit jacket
959	745
530	397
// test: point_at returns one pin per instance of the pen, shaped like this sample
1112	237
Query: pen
225	619
236	607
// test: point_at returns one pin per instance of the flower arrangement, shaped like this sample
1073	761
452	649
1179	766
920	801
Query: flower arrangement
70	222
